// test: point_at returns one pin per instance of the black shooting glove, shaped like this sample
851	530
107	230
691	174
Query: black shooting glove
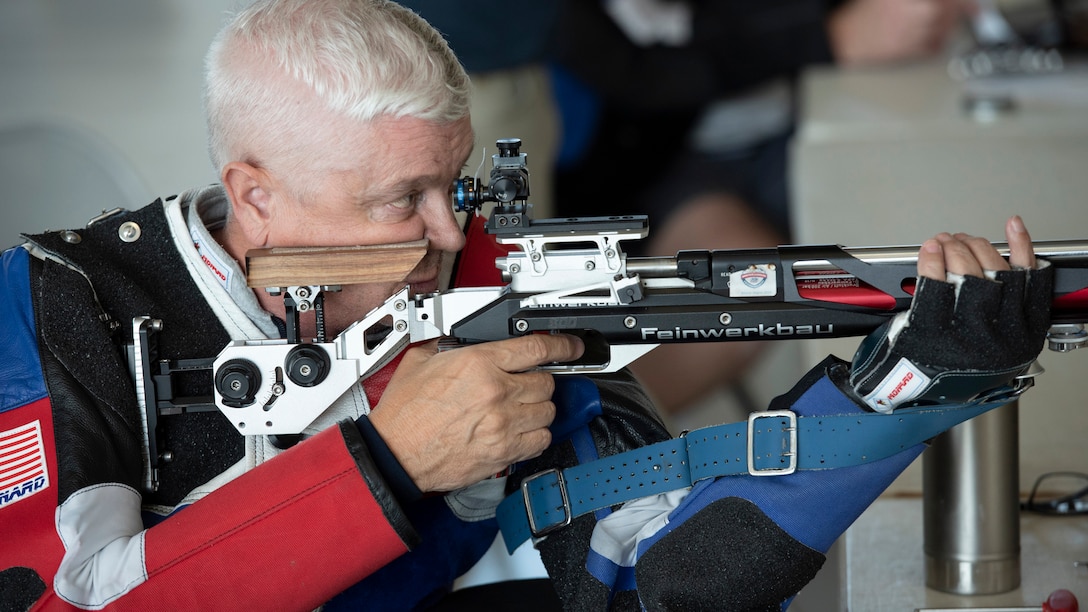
958	340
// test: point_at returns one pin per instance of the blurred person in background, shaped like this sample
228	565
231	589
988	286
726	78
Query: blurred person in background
684	109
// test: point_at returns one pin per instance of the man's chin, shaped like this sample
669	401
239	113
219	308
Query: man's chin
429	274
422	288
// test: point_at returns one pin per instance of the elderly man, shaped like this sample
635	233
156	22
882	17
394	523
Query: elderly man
332	122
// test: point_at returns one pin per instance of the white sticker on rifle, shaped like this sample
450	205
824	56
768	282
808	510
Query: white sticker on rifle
754	281
902	384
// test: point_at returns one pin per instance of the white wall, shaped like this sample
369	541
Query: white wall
122	77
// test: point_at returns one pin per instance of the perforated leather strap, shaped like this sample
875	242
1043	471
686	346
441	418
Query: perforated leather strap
772	443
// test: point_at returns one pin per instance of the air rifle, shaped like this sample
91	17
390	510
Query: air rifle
567	275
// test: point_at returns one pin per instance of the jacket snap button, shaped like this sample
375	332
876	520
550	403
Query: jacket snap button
129	232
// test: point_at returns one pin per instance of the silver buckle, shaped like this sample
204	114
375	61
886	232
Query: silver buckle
792	453
526	497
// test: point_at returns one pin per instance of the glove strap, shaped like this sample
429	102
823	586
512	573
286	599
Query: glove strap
772	443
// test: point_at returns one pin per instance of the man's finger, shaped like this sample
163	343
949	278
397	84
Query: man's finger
531	443
1021	253
538	415
527	352
536	386
958	257
984	252
931	260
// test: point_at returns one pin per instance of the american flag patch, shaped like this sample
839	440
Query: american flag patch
22	463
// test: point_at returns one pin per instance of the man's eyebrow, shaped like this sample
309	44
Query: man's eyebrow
412	183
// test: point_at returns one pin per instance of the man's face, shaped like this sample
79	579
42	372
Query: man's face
394	188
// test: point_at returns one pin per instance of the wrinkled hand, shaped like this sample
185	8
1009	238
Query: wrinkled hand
974	324
456	417
864	32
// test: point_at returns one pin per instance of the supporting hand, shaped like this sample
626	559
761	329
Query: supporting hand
975	323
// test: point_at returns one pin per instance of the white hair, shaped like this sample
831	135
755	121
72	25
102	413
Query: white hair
360	59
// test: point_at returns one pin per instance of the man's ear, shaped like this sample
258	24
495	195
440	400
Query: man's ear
248	188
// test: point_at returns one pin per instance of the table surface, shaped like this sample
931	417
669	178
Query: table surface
886	564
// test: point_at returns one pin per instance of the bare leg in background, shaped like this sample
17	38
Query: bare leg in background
677	375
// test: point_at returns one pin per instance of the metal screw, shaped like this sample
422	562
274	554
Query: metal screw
515	268
277	389
304	370
521	325
71	237
401	326
725	318
535	256
400	305
610	253
629	322
303	293
590	266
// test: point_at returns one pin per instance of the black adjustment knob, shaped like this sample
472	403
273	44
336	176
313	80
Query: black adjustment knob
506	189
237	381
306	366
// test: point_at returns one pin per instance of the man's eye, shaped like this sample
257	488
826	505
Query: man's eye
408	201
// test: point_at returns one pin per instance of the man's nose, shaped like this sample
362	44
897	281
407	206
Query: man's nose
442	230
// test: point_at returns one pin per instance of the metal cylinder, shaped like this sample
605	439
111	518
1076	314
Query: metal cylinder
971	511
